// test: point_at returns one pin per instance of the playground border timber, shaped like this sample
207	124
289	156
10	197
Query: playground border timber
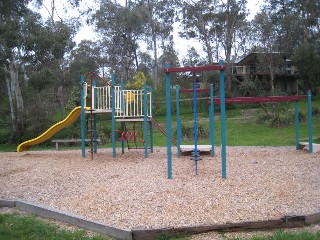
146	234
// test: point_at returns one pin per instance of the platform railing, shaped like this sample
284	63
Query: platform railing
128	103
132	104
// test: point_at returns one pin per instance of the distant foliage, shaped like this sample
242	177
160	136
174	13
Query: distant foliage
188	131
278	115
138	80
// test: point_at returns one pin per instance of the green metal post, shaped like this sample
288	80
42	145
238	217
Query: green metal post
113	119
168	123
151	125
178	121
145	120
223	123
297	124
122	110
82	118
310	121
94	83
211	119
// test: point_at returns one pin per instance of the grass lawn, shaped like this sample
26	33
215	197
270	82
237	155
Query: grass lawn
14	227
241	127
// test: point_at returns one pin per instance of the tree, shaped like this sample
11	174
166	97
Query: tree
231	18
159	26
198	21
270	56
307	60
214	22
11	15
292	27
120	29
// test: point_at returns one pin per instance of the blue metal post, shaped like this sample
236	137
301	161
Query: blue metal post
151	125
145	120
83	136
211	119
122	110
168	123
223	123
178	121
310	121
297	124
113	119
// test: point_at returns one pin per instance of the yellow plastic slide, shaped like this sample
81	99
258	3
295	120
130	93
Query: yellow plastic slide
73	115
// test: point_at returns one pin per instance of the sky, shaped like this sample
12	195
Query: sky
182	45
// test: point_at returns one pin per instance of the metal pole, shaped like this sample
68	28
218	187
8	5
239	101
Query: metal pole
113	119
211	119
168	123
151	125
310	121
297	124
195	155
223	123
145	120
121	111
95	118
83	143
178	121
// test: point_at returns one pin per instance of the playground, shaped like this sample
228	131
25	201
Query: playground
158	188
129	192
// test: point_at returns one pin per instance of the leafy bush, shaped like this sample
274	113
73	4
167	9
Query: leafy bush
187	132
279	115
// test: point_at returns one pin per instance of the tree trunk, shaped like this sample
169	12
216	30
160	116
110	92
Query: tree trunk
154	43
14	94
12	108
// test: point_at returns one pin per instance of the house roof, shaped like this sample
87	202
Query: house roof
252	57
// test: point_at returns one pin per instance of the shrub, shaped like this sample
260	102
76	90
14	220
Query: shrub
188	132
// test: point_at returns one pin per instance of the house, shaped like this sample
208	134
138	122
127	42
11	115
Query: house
261	66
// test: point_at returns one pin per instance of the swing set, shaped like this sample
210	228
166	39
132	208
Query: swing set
222	101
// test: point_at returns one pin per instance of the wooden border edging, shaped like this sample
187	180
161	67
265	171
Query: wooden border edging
285	222
149	234
52	213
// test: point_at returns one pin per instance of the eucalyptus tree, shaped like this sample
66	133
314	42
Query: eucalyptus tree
158	28
198	21
296	26
231	19
267	42
214	23
120	29
86	57
30	51
12	14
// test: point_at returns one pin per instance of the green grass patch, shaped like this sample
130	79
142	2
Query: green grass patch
14	227
241	125
285	235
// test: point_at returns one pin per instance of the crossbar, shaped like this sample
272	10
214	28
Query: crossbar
195	68
200	90
261	99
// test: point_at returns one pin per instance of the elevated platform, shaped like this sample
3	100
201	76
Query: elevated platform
305	145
